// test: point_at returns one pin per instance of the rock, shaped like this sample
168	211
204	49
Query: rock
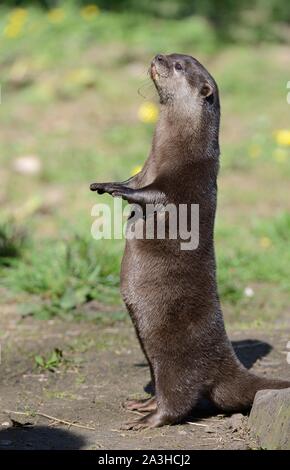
269	420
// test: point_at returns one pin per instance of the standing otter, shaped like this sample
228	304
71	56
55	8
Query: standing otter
170	293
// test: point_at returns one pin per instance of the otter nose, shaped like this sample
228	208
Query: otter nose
160	58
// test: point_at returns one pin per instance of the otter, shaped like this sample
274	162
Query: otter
171	294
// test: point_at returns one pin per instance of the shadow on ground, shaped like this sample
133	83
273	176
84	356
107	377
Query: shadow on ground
39	438
250	351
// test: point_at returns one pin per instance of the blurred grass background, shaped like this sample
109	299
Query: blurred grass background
77	106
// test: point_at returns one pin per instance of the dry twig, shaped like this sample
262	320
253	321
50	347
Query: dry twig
57	420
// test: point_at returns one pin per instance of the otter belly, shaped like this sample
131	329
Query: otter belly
162	291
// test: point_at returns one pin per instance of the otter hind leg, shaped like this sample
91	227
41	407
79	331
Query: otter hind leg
135	324
161	416
175	398
238	393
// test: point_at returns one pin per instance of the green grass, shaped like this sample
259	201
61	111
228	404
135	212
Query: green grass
65	274
243	258
70	97
12	243
51	362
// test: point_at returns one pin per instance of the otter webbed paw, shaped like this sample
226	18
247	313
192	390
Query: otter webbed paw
144	405
125	193
142	196
102	188
152	420
115	189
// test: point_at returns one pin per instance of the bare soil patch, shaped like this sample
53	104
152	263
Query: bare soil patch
100	368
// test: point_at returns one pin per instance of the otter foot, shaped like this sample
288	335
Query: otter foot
141	405
152	420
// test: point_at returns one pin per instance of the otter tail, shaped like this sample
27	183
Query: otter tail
238	393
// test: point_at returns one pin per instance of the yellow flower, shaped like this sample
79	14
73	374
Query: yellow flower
280	155
18	14
148	112
283	137
12	30
89	12
265	242
136	169
255	151
56	15
15	23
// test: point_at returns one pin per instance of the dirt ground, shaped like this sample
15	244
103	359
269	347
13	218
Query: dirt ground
101	367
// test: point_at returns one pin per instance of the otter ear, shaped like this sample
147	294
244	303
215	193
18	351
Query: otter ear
207	91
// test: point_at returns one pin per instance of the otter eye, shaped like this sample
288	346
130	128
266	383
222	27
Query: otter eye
178	66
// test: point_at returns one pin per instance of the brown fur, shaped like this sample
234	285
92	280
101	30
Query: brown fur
171	294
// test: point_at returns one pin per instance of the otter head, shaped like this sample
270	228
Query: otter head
184	83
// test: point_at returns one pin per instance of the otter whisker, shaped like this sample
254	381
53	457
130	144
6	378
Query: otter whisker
145	85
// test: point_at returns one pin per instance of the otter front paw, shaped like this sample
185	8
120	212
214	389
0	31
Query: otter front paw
102	188
124	193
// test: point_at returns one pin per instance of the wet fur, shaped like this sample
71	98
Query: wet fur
171	295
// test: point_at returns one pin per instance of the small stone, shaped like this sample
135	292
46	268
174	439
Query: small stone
27	165
235	422
249	292
42	379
